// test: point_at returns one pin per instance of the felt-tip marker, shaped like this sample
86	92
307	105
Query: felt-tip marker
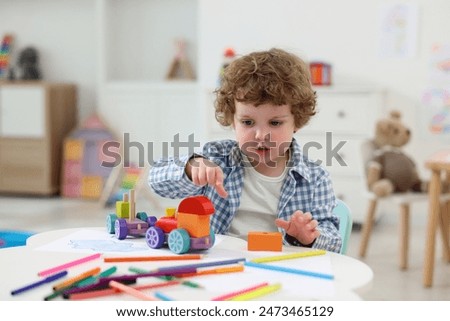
48	279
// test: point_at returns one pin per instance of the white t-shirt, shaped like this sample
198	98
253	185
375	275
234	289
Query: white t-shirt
259	203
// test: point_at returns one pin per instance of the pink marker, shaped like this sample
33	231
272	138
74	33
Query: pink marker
69	264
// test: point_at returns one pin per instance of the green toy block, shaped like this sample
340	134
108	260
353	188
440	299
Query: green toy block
128	184
123	209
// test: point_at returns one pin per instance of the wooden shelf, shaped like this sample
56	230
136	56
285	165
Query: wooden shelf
34	119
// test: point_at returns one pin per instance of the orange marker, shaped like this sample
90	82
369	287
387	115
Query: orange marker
131	291
77	278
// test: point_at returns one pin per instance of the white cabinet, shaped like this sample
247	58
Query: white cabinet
18	119
346	117
35	117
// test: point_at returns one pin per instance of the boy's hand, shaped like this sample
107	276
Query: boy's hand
301	226
202	171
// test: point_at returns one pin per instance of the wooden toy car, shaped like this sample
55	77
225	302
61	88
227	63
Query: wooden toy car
188	229
125	222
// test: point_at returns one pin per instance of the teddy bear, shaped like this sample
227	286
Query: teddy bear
389	169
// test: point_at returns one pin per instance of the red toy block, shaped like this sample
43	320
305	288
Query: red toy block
264	241
199	205
167	224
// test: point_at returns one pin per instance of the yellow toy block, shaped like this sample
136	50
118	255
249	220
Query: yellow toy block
170	211
123	209
73	149
91	187
264	241
195	225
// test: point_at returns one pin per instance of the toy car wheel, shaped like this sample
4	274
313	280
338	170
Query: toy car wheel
212	235
179	241
142	216
155	237
151	220
110	223
121	228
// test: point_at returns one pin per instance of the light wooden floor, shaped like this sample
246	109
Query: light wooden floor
390	283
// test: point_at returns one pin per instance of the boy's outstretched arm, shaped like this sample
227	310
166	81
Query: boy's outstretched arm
204	172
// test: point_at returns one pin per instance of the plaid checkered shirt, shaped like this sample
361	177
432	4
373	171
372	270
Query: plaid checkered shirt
307	187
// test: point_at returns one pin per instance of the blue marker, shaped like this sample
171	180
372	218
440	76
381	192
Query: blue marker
36	284
162	296
289	270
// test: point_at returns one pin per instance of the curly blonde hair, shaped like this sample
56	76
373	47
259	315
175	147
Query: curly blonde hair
273	76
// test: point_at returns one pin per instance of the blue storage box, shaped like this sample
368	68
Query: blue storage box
13	238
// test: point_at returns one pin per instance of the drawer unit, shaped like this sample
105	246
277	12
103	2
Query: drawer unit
344	114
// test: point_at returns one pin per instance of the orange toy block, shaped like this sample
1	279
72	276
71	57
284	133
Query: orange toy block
73	149
264	241
196	225
91	186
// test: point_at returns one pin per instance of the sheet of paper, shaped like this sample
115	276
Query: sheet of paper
398	30
89	241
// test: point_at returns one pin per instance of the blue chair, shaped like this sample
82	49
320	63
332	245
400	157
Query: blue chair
345	223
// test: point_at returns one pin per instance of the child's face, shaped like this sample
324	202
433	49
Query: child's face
264	133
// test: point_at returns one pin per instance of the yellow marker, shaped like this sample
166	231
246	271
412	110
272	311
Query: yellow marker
288	256
256	293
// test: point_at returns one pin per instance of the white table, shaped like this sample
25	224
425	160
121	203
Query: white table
19	266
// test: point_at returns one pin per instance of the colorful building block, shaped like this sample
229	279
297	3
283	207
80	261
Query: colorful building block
123	209
196	225
91	186
170	211
194	215
264	241
73	149
199	205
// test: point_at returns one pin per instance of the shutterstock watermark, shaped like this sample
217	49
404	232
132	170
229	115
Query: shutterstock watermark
115	155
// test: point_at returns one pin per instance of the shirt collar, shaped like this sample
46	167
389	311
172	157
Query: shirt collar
298	162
